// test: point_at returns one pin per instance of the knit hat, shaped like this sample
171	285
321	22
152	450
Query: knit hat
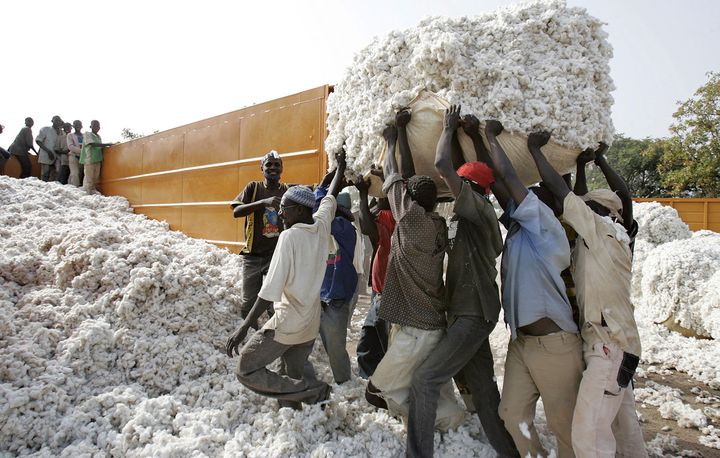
344	204
270	155
607	199
299	194
479	173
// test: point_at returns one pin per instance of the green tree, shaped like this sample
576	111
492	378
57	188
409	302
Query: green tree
637	162
127	134
690	162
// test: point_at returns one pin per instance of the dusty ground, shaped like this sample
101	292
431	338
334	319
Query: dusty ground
652	423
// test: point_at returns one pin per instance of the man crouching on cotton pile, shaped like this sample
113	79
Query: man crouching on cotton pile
292	283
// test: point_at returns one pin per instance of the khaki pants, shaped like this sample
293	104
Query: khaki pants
76	170
409	348
605	420
92	176
549	367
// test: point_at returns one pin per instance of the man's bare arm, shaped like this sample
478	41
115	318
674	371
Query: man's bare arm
502	166
367	222
407	165
443	155
586	156
550	177
617	184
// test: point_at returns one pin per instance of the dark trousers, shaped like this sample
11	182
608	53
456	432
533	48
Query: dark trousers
25	165
464	350
373	341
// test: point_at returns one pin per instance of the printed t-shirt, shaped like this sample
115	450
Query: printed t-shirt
262	227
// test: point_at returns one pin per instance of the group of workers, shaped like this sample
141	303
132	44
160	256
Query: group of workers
64	155
565	281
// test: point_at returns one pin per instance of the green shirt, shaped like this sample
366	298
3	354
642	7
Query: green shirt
91	154
471	269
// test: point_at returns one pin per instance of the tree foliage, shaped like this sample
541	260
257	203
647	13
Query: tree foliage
690	163
127	134
637	162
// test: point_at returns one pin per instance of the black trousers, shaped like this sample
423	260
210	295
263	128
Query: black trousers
25	166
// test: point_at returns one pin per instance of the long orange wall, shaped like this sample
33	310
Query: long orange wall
187	176
697	213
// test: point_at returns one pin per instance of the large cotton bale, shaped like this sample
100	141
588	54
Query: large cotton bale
538	66
659	223
680	285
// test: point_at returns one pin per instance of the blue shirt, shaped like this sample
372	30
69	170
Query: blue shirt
341	278
536	252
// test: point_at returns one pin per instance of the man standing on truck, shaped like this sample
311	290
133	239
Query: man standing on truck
21	146
47	140
259	203
295	275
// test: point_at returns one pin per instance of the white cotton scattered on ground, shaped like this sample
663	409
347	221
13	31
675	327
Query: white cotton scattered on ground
665	445
537	66
525	430
670	405
112	331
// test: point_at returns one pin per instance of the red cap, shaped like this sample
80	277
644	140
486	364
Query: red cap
479	173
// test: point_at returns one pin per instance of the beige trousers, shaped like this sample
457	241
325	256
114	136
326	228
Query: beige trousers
408	348
76	169
92	176
605	423
548	367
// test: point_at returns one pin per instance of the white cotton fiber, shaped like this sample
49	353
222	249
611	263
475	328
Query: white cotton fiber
678	282
112	330
537	66
659	223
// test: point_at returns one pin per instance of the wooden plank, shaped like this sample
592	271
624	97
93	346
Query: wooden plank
122	160
211	144
171	215
163	153
163	189
210	185
212	223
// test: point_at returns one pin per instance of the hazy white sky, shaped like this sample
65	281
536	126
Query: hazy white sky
151	65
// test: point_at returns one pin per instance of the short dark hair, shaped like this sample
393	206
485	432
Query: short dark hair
422	189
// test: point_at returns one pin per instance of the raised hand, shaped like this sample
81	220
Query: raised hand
493	127
402	118
452	118
470	124
538	139
586	156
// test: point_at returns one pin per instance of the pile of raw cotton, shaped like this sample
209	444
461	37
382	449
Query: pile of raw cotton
538	66
111	336
676	273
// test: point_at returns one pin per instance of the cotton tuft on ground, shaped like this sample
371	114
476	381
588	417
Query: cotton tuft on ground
537	66
111	336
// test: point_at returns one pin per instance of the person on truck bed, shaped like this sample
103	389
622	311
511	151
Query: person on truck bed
91	155
20	147
544	356
259	203
414	293
293	282
473	301
605	421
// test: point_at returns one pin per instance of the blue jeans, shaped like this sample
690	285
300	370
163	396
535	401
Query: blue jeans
333	332
464	350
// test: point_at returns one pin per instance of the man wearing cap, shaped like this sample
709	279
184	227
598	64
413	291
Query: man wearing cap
293	282
473	304
47	140
605	421
339	284
259	203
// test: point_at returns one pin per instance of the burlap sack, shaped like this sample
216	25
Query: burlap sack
425	127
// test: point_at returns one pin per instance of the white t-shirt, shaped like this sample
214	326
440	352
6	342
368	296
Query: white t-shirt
48	135
295	276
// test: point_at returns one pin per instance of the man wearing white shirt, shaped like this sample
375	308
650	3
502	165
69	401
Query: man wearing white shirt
292	284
